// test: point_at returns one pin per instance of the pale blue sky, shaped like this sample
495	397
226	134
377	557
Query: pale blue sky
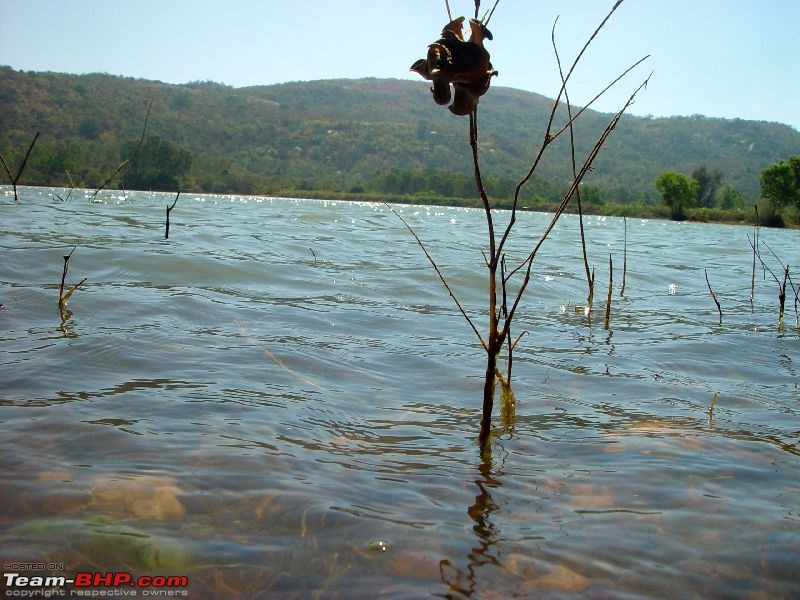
725	58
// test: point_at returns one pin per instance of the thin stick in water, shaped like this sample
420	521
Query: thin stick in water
711	408
608	298
714	297
64	275
62	295
624	255
753	274
169	210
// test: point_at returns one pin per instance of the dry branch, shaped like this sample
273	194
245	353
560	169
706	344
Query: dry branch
169	210
781	284
439	273
589	279
502	306
62	295
125	163
714	297
71	188
568	196
610	285
15	179
753	275
711	408
624	254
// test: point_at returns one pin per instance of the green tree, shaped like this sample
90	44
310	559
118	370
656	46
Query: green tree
591	194
780	185
709	183
158	165
730	197
678	191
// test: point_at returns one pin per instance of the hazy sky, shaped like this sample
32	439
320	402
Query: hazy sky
725	58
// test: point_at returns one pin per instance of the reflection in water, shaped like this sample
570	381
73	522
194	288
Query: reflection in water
464	582
508	409
66	322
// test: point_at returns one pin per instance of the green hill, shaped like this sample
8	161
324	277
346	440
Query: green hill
373	136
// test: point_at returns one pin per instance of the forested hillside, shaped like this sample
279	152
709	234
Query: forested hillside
372	136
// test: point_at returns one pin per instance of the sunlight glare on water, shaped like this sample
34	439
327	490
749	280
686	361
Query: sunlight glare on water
281	400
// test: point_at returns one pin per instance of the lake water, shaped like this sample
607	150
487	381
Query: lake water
282	401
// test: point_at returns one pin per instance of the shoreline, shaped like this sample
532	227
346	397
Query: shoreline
630	210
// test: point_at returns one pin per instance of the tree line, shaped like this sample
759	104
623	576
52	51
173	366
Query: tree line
779	186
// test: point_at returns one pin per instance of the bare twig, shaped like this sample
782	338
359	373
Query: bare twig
439	273
796	290
782	295
169	210
714	297
62	295
624	254
64	273
549	137
527	263
487	17
125	163
496	334
589	280
487	207
711	408
502	305
71	188
610	285
781	284
504	308
15	179
753	275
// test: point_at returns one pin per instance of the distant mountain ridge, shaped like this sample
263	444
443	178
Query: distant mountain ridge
355	135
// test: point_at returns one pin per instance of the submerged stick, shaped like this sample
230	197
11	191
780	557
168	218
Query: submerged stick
782	295
64	274
781	285
608	298
169	210
72	187
624	254
714	297
62	295
711	408
796	291
753	274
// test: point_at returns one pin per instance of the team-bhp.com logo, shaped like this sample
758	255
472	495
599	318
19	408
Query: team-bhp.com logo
94	585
